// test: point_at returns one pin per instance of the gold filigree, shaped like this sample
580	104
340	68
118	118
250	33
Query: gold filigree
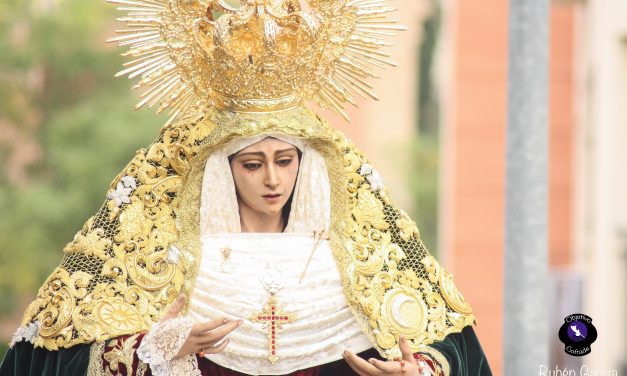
56	303
406	311
133	222
368	210
387	273
404	287
151	272
116	269
122	354
90	242
118	315
451	294
265	55
407	227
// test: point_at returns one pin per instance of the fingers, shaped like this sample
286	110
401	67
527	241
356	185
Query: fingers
216	349
215	335
422	367
386	367
359	365
209	343
200	328
219	332
175	308
408	355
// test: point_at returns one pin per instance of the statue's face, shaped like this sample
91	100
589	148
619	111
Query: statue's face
264	175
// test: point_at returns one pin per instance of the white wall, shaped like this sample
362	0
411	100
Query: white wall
602	226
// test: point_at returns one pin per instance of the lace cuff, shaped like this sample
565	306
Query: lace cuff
162	343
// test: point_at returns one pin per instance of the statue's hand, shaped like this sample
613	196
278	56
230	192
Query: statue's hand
205	338
406	366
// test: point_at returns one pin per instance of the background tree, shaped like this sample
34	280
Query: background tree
65	131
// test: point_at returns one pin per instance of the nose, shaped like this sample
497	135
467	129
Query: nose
271	179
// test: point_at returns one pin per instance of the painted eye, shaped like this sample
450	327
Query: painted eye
284	162
252	166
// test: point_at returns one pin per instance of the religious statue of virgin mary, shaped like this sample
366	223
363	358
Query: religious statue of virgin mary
250	238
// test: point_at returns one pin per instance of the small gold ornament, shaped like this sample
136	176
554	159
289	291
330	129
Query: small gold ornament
273	319
227	266
271	315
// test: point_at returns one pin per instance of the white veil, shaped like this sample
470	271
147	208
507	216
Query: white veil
311	204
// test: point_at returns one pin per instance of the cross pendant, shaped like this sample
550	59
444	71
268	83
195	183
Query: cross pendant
273	319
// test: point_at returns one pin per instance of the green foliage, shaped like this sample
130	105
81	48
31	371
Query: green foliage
79	117
3	349
424	184
428	104
425	149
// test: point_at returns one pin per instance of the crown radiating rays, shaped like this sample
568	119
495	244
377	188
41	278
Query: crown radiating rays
263	56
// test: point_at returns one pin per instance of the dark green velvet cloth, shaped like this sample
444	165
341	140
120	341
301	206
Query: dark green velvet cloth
24	360
464	354
462	350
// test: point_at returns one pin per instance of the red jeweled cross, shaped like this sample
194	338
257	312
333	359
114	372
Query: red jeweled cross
273	319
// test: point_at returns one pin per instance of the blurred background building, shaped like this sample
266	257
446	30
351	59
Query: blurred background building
586	200
437	136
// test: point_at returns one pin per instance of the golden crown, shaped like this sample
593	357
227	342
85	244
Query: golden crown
255	55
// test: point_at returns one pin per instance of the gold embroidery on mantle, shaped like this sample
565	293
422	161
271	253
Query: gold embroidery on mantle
391	282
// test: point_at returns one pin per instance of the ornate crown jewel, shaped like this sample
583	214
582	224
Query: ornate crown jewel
260	56
261	53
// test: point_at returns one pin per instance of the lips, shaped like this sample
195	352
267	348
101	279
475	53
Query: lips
276	195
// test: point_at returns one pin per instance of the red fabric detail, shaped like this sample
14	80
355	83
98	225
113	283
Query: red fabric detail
209	368
116	344
430	362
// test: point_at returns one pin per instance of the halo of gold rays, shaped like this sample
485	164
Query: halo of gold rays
163	50
361	55
161	78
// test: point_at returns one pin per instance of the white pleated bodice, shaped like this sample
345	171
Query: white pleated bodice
324	325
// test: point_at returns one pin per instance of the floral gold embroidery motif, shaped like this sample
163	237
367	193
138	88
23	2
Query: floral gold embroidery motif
387	273
122	354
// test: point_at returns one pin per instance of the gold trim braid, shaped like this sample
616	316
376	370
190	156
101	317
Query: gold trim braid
96	365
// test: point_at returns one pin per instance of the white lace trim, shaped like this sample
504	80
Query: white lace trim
162	343
25	333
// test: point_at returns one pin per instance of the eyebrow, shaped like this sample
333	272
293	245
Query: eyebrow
262	154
